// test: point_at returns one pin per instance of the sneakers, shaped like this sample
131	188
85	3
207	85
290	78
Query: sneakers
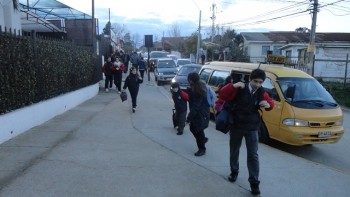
255	189
118	92
179	133
199	153
232	178
133	110
107	90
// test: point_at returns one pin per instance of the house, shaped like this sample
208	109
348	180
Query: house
294	45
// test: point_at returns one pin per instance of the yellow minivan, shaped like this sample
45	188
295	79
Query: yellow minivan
304	112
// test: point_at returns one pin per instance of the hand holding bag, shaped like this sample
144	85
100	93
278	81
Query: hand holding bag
123	96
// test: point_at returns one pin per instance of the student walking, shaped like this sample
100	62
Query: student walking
132	82
180	99
107	69
199	114
247	99
118	74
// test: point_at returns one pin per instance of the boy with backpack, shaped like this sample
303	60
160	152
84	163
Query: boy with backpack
180	99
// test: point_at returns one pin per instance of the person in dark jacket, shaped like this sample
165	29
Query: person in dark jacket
126	60
199	114
118	74
108	71
247	99
142	67
180	99
132	82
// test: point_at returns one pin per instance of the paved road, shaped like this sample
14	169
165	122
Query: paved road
101	148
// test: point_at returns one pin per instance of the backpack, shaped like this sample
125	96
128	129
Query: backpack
134	58
211	96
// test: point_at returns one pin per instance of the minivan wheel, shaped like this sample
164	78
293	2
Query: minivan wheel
264	134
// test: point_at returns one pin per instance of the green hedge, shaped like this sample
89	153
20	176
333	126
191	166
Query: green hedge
35	69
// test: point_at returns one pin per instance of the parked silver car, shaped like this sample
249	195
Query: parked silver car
164	70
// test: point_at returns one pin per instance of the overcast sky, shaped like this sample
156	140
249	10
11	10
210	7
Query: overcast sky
155	17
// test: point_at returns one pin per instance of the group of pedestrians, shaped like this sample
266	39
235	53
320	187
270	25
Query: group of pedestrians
245	99
116	65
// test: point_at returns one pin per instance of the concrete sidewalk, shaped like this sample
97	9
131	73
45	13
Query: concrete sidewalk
101	148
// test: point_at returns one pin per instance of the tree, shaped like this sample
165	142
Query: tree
128	43
174	30
107	29
190	44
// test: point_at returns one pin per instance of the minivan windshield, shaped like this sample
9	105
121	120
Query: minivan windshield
166	64
305	90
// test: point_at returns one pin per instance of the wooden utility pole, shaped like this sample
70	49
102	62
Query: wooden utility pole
311	47
199	37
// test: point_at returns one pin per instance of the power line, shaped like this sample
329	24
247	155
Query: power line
269	13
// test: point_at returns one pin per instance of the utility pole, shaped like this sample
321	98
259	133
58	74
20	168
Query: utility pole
199	36
311	47
213	17
93	29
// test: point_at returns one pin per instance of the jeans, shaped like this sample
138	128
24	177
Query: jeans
108	81
251	140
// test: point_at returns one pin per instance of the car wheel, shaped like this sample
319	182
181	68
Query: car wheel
264	134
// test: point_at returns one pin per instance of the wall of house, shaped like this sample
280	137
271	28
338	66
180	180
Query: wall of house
255	50
334	69
9	17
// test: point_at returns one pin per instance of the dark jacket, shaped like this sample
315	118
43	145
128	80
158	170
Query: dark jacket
107	68
142	65
132	82
199	111
245	106
180	99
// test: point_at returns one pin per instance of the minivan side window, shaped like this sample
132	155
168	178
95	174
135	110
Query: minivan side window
270	89
218	77
204	75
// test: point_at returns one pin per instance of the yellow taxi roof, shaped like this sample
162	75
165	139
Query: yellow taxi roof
278	70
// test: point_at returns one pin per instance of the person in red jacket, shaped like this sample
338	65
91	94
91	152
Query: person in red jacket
246	100
118	74
107	69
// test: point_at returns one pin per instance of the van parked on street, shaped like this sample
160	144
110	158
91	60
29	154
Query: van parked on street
304	113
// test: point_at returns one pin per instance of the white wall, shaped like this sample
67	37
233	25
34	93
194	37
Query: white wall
21	120
331	69
9	17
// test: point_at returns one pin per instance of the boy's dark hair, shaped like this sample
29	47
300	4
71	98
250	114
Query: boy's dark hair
258	74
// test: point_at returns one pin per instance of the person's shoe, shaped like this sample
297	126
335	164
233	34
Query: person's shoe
255	189
206	140
118	92
232	178
199	153
133	110
180	133
107	90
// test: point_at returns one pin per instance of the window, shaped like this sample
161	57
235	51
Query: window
276	50
264	50
218	77
204	75
270	89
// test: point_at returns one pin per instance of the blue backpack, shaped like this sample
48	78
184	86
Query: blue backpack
211	96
